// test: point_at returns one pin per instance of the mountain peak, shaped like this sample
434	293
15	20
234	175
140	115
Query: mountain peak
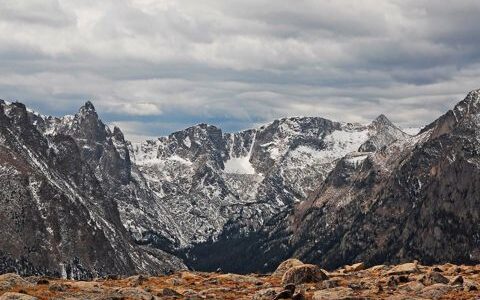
87	108
382	119
118	134
469	105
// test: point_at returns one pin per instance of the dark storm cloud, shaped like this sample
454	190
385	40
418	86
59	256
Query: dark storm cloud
157	66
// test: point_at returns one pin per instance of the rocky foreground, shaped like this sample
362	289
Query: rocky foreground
291	280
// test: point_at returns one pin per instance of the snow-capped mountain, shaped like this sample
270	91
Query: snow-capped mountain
416	198
99	204
204	180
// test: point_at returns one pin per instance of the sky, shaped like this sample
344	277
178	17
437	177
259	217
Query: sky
153	66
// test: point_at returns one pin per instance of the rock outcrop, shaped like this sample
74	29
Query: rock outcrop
305	273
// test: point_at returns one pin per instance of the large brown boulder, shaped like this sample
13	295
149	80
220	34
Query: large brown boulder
285	266
305	273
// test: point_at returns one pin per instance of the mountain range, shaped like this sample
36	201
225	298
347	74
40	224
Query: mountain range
80	201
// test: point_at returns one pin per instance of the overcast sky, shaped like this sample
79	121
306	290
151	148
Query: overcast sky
154	66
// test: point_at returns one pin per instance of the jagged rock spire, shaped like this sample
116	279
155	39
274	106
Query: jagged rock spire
89	106
118	134
382	119
88	109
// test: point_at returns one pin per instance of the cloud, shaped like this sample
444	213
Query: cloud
165	65
138	109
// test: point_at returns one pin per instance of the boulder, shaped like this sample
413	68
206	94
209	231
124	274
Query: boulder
413	286
355	267
394	280
435	291
434	277
287	293
333	294
16	296
469	285
266	294
331	283
285	266
10	280
42	281
403	269
168	292
378	268
305	273
451	269
299	296
457	280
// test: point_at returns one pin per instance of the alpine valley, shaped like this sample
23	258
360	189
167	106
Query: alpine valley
79	201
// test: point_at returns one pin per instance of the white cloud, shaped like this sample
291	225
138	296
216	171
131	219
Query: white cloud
138	109
240	62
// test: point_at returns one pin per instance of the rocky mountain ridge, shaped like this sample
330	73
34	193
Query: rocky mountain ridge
327	192
208	178
60	180
416	198
164	195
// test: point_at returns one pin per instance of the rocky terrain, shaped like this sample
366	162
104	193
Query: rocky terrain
291	280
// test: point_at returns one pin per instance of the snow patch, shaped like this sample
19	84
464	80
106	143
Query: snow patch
187	142
356	160
346	141
412	130
180	159
239	165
